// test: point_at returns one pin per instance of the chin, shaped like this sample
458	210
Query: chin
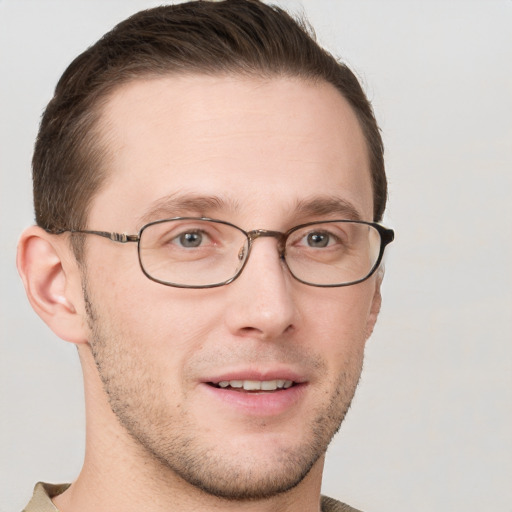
247	478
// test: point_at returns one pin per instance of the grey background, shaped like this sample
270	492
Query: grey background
430	428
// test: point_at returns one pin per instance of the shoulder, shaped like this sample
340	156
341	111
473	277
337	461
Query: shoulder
330	505
42	498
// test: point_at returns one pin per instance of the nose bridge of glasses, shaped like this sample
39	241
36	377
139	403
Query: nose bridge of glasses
260	233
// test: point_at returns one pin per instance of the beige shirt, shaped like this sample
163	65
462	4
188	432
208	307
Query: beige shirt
43	493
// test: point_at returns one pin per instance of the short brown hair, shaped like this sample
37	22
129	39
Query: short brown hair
233	36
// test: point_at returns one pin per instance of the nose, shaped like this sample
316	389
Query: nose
262	303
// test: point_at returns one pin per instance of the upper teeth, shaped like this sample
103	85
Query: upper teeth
252	385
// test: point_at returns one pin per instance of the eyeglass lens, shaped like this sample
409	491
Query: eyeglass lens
198	252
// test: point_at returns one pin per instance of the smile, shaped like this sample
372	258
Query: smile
256	393
254	385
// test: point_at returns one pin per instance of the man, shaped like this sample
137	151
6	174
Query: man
207	182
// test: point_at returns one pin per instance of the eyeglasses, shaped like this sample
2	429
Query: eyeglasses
190	252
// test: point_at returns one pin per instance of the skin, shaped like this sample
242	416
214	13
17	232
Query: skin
155	430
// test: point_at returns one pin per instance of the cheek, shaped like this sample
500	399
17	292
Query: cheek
161	327
338	319
342	308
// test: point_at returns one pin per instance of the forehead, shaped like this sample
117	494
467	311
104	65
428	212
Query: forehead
248	141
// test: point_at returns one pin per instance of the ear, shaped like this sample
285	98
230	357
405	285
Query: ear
375	305
52	281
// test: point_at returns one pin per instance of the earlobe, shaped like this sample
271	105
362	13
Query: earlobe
52	282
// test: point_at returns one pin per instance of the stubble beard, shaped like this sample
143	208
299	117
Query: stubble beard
167	436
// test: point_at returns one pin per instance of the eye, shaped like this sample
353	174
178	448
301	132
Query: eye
190	239
328	237
318	239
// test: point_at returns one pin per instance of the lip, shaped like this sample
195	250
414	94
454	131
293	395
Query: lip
257	374
256	403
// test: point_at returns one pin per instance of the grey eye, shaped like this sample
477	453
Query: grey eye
190	239
318	239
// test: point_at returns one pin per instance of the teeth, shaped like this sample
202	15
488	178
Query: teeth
256	385
252	385
269	385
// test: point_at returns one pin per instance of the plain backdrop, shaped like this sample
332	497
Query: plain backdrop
431	424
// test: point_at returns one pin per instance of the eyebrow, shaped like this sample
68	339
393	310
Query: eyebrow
178	205
194	205
322	206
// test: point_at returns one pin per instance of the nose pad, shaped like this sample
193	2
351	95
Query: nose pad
281	250
265	233
245	250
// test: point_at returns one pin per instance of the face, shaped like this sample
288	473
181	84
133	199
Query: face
260	154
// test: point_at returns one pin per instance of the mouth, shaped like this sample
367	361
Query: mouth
256	393
254	386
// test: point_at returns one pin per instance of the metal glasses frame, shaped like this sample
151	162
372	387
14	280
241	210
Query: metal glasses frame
386	237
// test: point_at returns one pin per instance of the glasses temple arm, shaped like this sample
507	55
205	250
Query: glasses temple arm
115	237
